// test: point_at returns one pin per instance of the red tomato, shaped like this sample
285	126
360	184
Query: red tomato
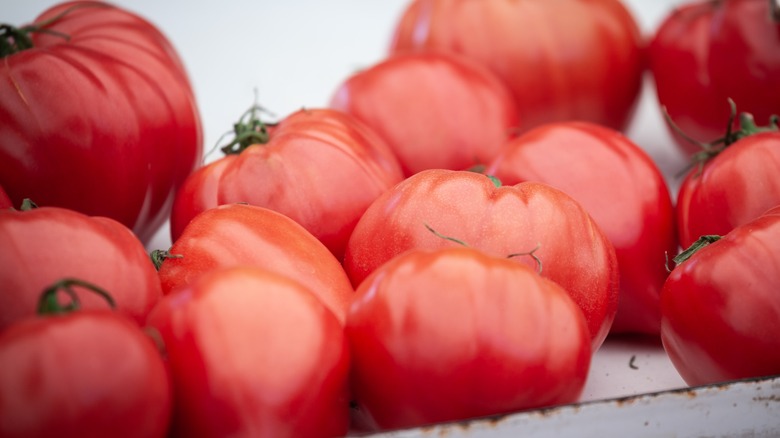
715	51
197	194
622	189
113	133
503	221
43	245
254	353
454	334
434	110
721	308
247	235
91	373
731	189
320	167
562	59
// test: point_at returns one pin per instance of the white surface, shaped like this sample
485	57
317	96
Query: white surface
296	52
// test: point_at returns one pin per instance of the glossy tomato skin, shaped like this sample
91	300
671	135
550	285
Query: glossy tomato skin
90	374
247	235
502	221
113	133
46	244
621	188
454	334
733	188
197	194
530	46
716	51
253	353
320	167
721	308
434	110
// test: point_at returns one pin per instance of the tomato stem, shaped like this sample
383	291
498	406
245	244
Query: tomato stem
695	247
158	256
49	303
532	254
248	132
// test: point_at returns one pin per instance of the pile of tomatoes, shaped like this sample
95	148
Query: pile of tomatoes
367	266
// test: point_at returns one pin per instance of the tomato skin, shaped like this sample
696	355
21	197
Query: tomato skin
248	235
733	188
621	188
454	333
721	309
89	374
434	110
500	221
716	51
529	45
254	353
321	167
5	201
113	133
197	194
46	244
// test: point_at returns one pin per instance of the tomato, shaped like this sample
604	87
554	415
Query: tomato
247	235
721	308
319	167
454	334
715	51
113	133
89	373
434	110
197	194
44	244
535	223
621	188
736	186
562	59
254	353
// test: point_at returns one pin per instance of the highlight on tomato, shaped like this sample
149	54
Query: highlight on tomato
97	115
454	333
76	372
623	191
39	246
254	353
434	110
530	222
562	59
720	306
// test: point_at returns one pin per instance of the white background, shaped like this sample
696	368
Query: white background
296	52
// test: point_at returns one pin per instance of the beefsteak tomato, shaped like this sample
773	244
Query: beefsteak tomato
621	188
435	110
715	51
320	167
733	187
454	334
96	115
43	245
562	59
530	221
721	307
248	235
253	353
87	373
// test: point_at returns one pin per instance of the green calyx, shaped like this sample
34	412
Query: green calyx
49	304
695	247
249	130
747	127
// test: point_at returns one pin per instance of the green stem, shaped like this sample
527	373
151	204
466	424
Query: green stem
158	256
532	254
49	303
695	247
